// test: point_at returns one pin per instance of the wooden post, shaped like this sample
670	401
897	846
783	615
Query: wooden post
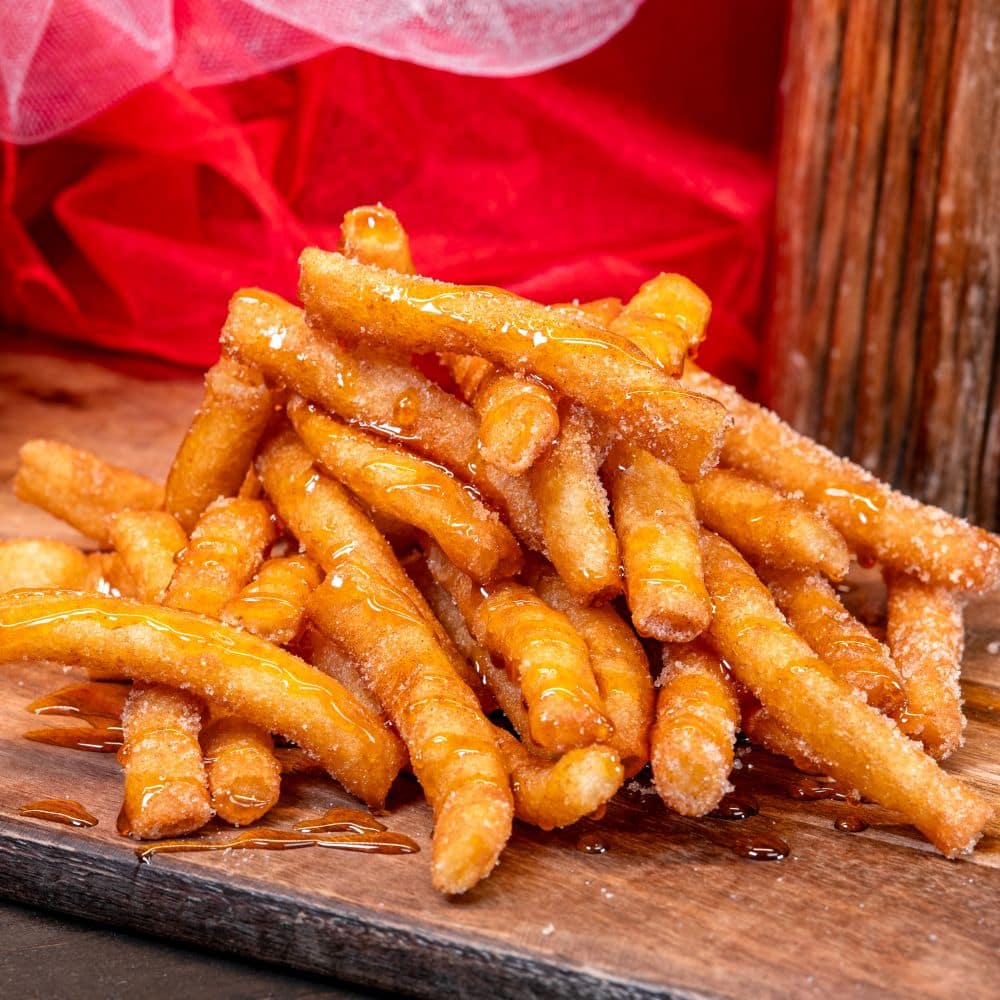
884	324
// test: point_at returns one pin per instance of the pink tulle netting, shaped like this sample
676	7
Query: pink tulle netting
63	61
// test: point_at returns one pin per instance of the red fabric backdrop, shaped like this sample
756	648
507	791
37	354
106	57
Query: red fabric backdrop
652	153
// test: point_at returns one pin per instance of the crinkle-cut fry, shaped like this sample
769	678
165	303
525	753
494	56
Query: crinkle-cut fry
620	665
876	521
272	604
654	517
166	794
79	488
244	775
488	681
373	234
813	609
763	730
217	450
551	794
697	715
148	543
862	748
666	320
41	564
226	548
391	399
453	749
250	678
578	358
388	478
518	421
541	651
926	635
327	522
769	527
573	509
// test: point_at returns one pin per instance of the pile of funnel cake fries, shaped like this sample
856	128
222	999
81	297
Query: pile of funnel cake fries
521	550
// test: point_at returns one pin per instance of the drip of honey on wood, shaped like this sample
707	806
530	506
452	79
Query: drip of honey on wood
98	699
762	847
340	820
591	843
79	738
380	842
815	789
65	811
735	807
850	824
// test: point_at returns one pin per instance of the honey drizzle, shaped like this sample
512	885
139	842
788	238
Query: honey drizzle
379	842
79	738
69	812
340	820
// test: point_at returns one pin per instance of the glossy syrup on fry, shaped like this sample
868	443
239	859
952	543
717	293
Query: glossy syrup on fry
193	631
69	812
379	842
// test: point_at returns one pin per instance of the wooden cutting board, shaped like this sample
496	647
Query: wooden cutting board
668	910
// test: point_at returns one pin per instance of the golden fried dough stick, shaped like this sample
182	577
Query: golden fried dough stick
148	542
813	609
697	716
325	655
391	399
769	527
876	521
603	310
578	358
244	775
541	650
373	234
253	679
42	564
862	748
926	635
213	459
226	547
573	508
453	750
555	793
79	488
763	730
165	790
403	485
666	320
518	420
489	682
272	605
325	520
620	666
655	519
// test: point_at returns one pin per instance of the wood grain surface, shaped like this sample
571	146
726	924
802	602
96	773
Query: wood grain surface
669	910
883	333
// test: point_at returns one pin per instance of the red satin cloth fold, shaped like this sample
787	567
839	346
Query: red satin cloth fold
651	154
